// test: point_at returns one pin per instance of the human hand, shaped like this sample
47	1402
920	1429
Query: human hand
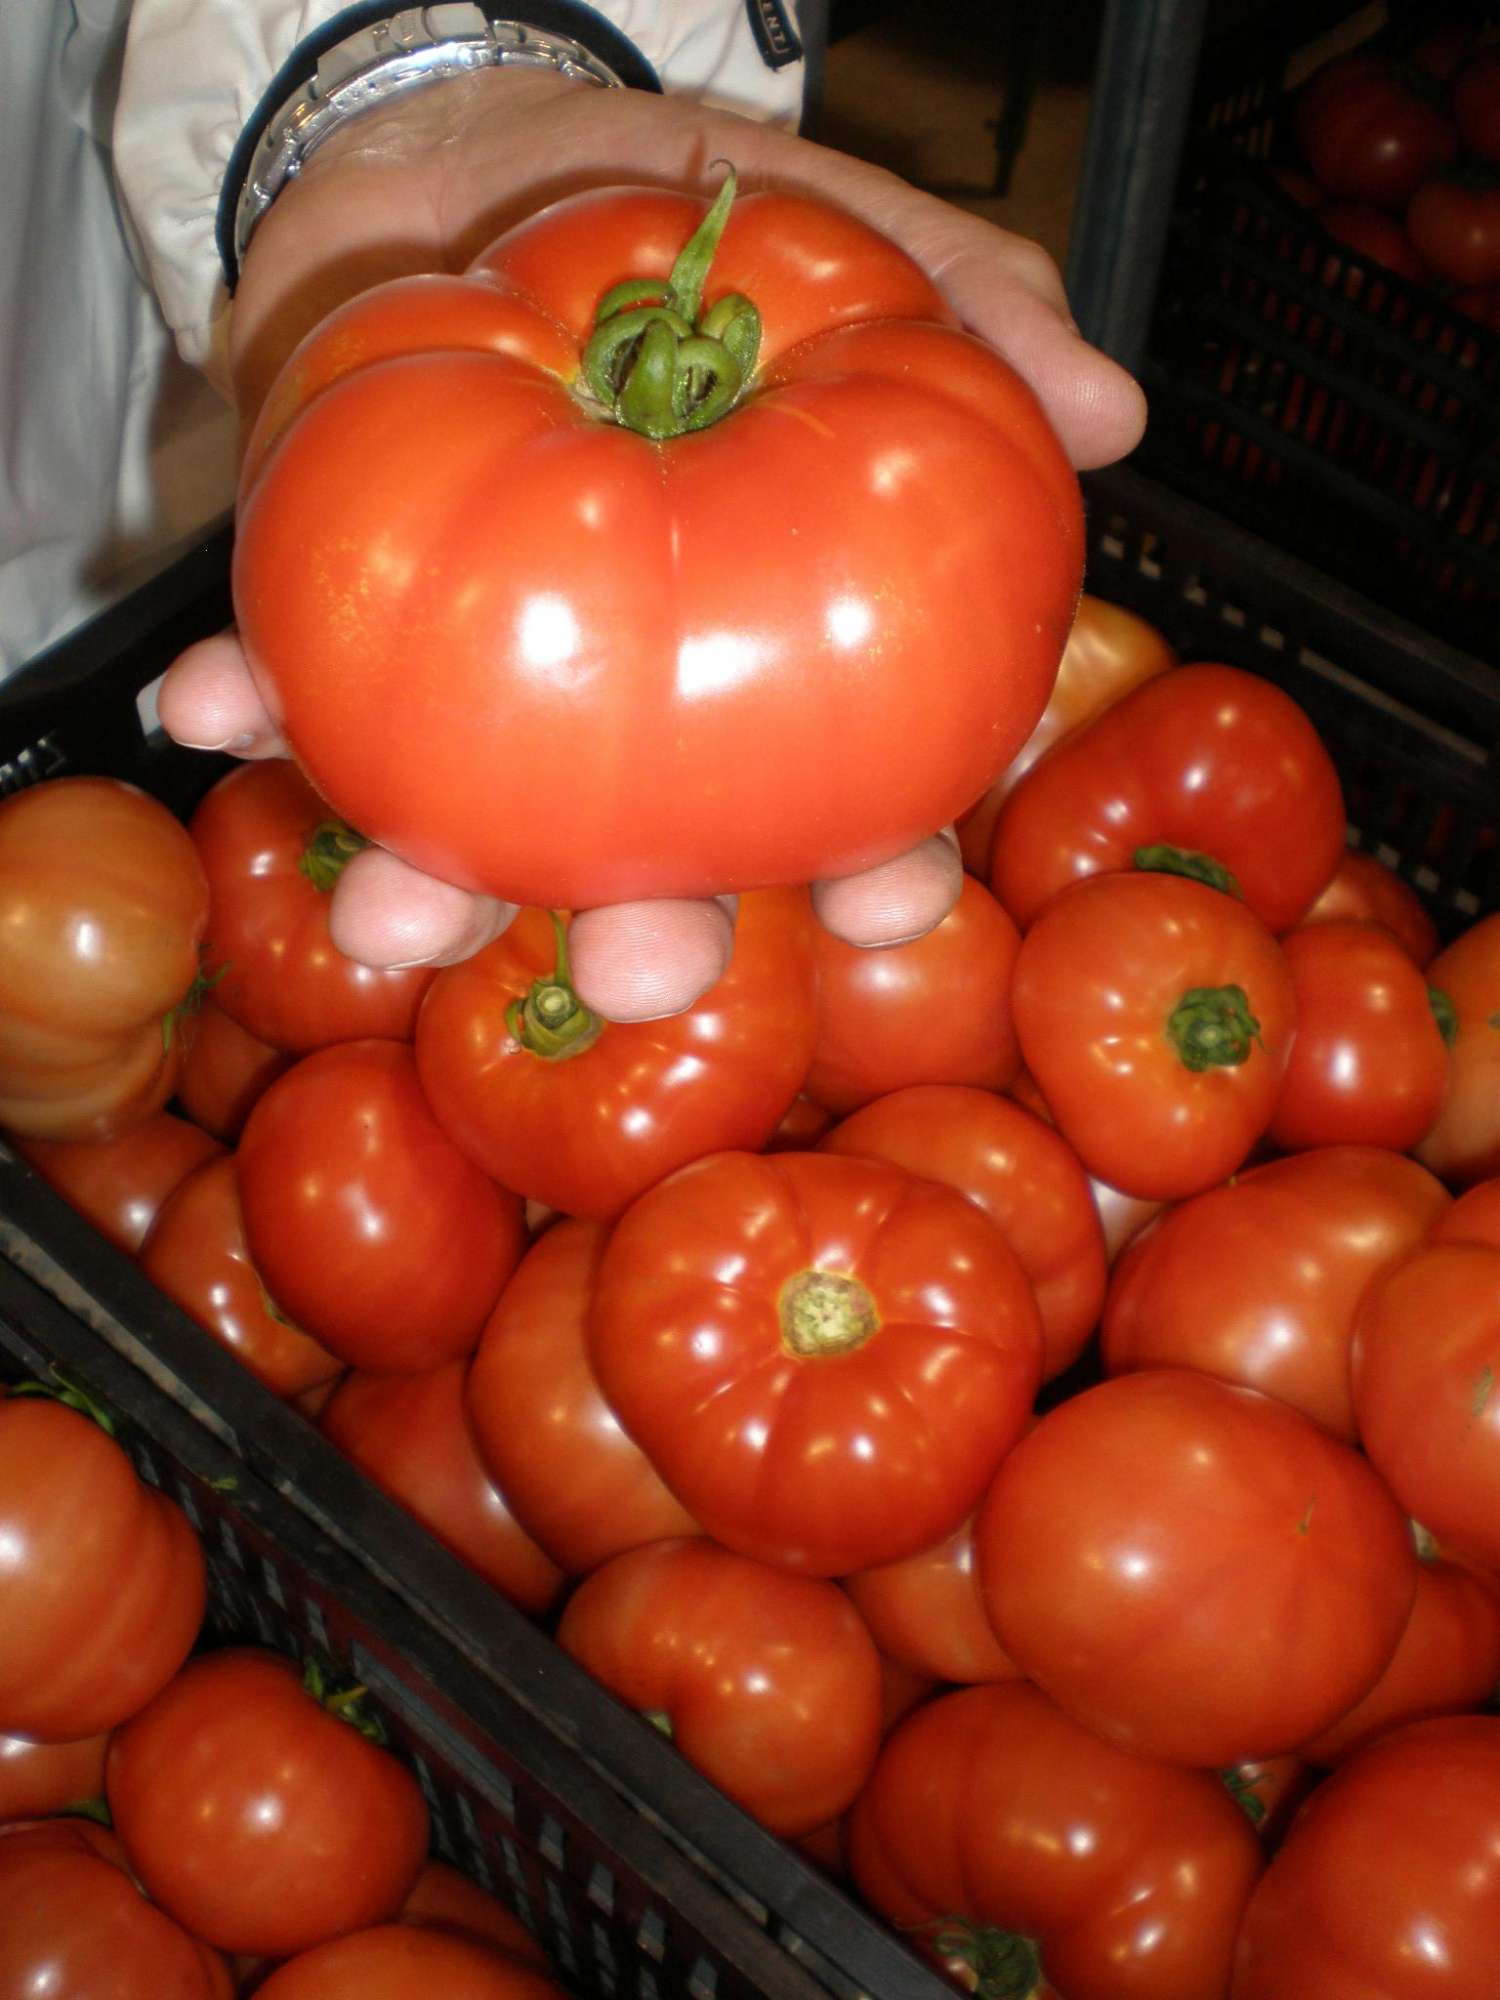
425	186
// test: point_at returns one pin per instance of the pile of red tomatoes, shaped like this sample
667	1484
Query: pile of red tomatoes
1021	1408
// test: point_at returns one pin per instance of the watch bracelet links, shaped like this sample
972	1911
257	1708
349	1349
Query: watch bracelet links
377	63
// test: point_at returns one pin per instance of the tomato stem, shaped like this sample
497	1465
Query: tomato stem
657	362
1164	859
343	1698
1211	1027
1005	1964
551	1021
823	1312
329	851
71	1396
190	1004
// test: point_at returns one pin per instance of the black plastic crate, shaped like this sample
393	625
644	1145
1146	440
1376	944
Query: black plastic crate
639	1876
1343	412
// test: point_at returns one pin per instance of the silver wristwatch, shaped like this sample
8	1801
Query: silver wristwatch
415	46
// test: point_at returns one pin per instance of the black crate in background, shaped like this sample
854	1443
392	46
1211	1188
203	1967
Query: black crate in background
637	1874
1345	414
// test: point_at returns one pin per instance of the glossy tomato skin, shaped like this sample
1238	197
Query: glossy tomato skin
926	1613
254	1815
373	1232
1447	1661
1208	759
935	1010
1463	1146
73	1923
1109	651
411	1435
1363	887
770	1682
1023	1175
1455	226
824	1358
1426	1357
1368	1063
103	902
1385	1887
196	1253
407	1962
275	969
1102	976
636	573
40	1778
103	1588
121	1184
577	1481
990	1808
1193	1569
1367	133
224	1069
1258	1281
587	1130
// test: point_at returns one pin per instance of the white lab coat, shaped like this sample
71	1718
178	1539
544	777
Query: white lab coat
116	124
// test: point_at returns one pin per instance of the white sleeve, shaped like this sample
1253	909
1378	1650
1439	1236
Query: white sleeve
195	73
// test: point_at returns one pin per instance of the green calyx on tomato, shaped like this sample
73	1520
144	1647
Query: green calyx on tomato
1164	859
823	1312
190	1003
1211	1027
1005	1966
61	1390
552	1022
1244	1794
344	1699
328	853
656	361
1444	1013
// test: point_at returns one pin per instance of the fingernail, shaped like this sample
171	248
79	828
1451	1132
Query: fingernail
233	744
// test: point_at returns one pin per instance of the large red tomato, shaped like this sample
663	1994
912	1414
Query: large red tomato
1109	651
1369	1061
1448	1660
997	1832
407	1962
120	1184
539	653
1475	96
1207	771
1155	1017
101	1583
1426	1361
373	1232
1386	1887
197	1254
1258	1281
824	1358
411	1435
273	854
1193	1569
261	1819
767	1682
103	903
934	1010
1464	1144
575	1480
73	1924
1024	1176
1368	130
583	1114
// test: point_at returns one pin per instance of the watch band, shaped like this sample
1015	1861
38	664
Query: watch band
328	82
